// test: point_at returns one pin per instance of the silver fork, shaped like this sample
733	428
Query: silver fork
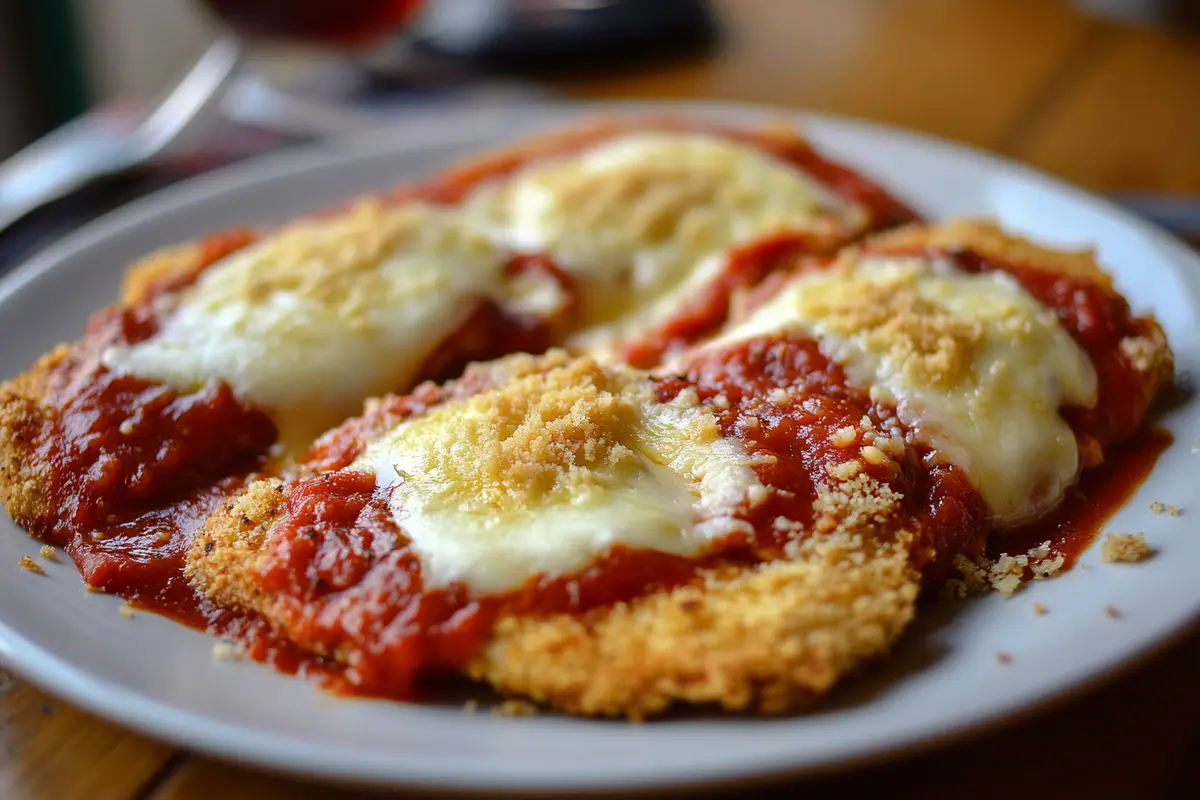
84	150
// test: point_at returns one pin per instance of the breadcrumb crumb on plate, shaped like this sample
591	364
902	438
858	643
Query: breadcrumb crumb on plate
29	565
1128	548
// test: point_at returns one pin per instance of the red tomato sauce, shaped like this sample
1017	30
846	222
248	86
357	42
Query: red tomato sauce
799	435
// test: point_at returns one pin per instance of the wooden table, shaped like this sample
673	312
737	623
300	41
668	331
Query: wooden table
1105	106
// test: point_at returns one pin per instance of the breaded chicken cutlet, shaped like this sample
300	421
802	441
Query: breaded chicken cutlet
561	461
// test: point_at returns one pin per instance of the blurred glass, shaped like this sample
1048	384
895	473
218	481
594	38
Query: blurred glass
336	22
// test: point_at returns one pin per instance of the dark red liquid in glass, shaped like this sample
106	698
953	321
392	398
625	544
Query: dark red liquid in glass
316	21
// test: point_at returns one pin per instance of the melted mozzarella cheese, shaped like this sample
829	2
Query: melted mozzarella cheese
976	367
636	215
328	311
548	472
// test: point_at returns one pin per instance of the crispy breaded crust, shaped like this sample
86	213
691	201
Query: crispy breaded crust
24	414
162	266
224	552
768	638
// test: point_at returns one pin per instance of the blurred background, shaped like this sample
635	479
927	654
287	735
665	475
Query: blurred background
1105	93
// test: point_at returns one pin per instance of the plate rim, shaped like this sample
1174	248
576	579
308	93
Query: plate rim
180	727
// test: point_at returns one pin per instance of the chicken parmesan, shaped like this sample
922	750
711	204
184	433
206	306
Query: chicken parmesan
740	527
655	414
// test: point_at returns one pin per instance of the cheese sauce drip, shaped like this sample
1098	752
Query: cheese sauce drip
635	216
544	474
975	366
328	311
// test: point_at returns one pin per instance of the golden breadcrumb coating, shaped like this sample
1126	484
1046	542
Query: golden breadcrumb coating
162	266
768	638
24	413
224	552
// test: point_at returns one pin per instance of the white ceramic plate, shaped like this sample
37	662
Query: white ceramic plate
943	681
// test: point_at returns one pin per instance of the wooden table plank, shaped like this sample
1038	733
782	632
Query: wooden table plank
51	750
1130	122
966	70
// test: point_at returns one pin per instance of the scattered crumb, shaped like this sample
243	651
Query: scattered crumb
226	651
1112	611
126	427
721	401
1006	573
1125	547
844	437
47	552
1163	508
515	708
470	707
1039	609
30	565
778	397
126	612
1003	657
94	589
873	455
845	470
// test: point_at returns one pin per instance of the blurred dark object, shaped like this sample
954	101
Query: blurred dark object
348	22
1178	214
539	36
42	79
1179	14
